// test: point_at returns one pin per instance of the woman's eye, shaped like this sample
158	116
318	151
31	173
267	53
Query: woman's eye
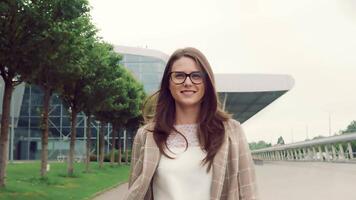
179	76
196	76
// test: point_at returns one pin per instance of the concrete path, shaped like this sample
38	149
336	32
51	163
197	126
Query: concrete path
114	194
292	181
306	181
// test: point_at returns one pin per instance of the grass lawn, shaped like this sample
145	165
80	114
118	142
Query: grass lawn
24	182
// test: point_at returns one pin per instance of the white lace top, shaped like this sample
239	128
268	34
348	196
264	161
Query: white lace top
182	178
176	140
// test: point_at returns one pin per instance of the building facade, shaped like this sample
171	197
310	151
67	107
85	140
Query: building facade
27	103
249	94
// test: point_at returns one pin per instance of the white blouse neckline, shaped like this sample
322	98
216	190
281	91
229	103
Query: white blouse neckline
175	140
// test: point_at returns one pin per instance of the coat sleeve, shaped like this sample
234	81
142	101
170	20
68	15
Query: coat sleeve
135	156
246	176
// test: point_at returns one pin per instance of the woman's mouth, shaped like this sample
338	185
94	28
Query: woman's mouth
188	92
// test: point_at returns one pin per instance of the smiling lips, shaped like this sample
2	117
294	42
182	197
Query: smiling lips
188	92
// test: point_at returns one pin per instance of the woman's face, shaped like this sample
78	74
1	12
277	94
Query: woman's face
187	91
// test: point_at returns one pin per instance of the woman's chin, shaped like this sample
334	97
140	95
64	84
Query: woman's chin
188	104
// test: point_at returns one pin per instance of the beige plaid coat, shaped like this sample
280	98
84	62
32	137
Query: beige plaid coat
233	169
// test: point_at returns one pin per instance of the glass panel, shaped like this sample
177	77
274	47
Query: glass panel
21	144
80	122
35	152
24	109
80	132
36	133
149	67
36	90
133	67
56	121
54	132
23	122
36	99
148	59
36	110
131	58
55	110
150	78
66	121
35	122
66	131
55	99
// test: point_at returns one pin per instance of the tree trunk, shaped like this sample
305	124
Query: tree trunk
4	137
88	145
101	145
73	134
113	144
44	127
126	148
119	155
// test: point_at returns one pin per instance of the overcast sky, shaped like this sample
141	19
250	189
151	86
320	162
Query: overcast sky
313	41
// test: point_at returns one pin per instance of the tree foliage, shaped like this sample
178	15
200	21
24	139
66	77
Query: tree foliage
29	38
56	51
259	145
122	103
351	128
280	140
53	44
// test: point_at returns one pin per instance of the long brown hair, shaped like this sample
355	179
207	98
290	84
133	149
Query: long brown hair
211	129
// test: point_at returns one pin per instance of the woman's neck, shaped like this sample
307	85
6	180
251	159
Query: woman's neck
187	115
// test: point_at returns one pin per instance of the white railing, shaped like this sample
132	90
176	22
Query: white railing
335	148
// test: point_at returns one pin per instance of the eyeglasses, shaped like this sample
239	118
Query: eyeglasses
180	77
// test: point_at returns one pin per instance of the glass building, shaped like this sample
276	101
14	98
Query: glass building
146	65
27	102
249	94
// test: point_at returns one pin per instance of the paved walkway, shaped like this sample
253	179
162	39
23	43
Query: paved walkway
292	181
114	194
306	181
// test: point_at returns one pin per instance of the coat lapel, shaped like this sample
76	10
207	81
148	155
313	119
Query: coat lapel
151	159
152	154
219	168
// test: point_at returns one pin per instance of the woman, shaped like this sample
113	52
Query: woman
192	150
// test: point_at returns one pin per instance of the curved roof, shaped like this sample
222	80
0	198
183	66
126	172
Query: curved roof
141	51
242	95
253	82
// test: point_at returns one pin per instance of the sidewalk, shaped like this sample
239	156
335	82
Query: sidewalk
278	180
114	194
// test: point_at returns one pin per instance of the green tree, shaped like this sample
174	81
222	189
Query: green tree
102	61
351	128
123	103
128	115
259	145
19	31
24	25
75	76
56	51
280	140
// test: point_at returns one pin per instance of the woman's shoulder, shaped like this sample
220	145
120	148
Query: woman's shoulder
145	129
233	129
232	124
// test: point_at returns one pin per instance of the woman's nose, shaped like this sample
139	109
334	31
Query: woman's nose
188	81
